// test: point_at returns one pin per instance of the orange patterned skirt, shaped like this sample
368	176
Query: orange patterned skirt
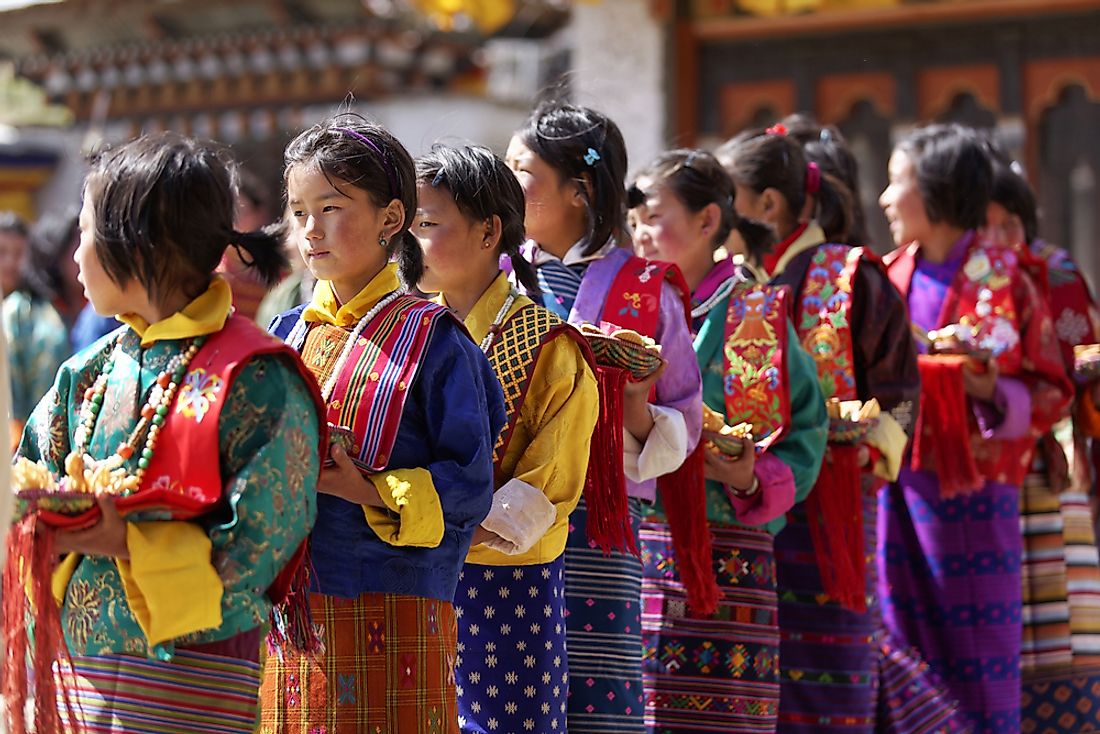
388	667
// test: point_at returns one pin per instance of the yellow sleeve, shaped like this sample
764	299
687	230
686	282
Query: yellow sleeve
890	439
549	448
166	558
414	516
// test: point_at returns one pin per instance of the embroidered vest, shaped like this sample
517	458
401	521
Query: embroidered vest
634	298
755	361
513	357
823	321
370	391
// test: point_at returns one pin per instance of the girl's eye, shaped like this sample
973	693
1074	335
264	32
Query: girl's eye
298	214
329	208
424	225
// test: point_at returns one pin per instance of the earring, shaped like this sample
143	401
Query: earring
382	241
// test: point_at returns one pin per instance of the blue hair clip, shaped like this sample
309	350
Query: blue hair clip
591	157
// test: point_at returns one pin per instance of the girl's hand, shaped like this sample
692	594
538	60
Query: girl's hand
106	538
736	473
980	385
636	417
344	480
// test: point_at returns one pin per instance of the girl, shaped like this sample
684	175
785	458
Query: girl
419	409
513	670
571	162
1060	571
852	322
183	372
950	526
683	210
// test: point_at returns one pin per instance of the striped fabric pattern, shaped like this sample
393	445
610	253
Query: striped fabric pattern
388	667
719	674
911	699
604	633
560	284
194	692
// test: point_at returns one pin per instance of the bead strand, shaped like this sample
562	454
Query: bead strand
494	328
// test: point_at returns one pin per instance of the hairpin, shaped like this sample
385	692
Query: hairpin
826	135
777	129
591	157
438	178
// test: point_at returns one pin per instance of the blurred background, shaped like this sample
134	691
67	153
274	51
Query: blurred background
77	73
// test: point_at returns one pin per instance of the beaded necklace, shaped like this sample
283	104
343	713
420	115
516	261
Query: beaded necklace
152	418
705	307
494	328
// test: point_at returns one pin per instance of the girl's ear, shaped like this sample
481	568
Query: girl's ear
582	191
393	219
493	229
710	219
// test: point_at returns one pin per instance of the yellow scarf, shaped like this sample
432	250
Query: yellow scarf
204	315
326	308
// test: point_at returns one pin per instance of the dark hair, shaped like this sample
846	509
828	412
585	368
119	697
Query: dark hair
482	186
698	180
826	146
164	208
51	240
12	223
351	149
587	147
1013	192
763	159
954	173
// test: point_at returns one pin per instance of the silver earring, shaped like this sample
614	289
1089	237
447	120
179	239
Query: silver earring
382	242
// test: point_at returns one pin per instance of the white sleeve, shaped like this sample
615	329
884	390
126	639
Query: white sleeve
664	451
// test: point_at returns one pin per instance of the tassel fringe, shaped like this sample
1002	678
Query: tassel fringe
835	510
684	498
941	442
609	524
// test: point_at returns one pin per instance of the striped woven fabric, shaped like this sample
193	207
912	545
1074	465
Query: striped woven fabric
559	284
719	674
388	667
193	692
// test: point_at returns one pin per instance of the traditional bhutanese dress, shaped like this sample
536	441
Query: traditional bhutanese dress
1061	615
853	323
949	571
603	590
425	409
721	672
144	660
38	342
512	666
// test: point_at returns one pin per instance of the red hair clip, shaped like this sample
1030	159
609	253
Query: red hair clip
777	129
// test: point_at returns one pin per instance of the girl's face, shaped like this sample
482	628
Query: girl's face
902	202
1002	227
454	246
664	229
107	297
553	205
338	230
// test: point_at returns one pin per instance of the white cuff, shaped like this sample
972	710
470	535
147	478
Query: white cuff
664	451
520	515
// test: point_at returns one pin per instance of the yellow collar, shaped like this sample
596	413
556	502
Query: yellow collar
326	308
204	315
812	236
485	311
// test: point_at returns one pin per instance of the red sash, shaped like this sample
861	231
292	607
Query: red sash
634	299
371	390
834	507
755	361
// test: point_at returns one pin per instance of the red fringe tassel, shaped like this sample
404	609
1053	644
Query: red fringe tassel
292	627
835	511
941	442
684	497
605	486
29	568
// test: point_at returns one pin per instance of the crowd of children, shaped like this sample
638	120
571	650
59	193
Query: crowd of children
849	493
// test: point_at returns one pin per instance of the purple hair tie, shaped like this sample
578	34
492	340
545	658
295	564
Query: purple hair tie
813	179
378	151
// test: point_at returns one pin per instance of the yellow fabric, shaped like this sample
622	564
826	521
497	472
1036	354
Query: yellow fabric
812	236
325	307
890	439
62	575
550	445
415	516
167	559
204	315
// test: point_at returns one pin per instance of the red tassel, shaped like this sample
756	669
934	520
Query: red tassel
292	629
605	486
684	498
941	442
835	509
31	558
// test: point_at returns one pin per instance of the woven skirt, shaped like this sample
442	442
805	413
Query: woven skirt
718	674
195	692
388	667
